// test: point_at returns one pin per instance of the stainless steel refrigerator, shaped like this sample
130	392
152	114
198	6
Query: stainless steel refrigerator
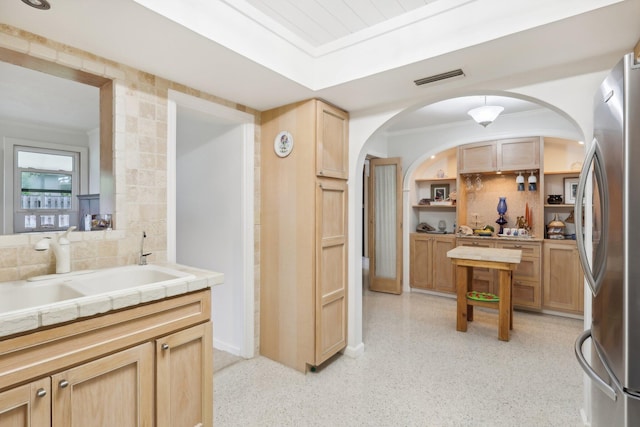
611	174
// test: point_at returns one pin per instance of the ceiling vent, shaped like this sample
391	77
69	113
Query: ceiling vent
439	77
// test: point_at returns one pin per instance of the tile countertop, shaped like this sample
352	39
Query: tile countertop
28	319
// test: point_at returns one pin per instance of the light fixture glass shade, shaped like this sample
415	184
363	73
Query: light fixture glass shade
520	182
533	182
486	114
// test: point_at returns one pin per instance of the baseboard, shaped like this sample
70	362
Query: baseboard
356	351
220	345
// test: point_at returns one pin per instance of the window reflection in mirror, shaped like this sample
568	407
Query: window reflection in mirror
46	106
47	182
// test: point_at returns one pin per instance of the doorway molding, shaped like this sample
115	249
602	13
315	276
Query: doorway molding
247	122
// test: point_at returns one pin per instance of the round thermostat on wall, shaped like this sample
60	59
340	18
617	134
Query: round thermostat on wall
283	144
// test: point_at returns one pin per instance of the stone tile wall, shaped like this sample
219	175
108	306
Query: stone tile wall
140	168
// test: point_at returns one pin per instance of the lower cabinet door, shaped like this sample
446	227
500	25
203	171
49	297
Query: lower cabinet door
27	406
443	270
184	369
116	390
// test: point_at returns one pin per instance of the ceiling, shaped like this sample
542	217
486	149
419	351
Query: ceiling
360	55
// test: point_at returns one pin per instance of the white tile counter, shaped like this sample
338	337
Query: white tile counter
27	319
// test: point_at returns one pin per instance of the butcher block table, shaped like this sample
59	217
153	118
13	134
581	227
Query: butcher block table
505	261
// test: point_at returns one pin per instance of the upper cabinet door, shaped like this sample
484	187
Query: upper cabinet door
518	154
332	143
479	157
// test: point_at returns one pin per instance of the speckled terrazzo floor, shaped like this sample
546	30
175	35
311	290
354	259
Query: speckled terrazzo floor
418	371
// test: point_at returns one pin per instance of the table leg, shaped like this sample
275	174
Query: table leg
463	277
504	305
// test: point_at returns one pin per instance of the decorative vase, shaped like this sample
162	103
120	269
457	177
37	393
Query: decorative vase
502	209
502	205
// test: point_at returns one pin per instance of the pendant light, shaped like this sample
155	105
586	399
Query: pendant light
486	114
520	181
533	182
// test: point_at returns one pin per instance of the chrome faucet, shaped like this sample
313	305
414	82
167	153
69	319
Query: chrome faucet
143	256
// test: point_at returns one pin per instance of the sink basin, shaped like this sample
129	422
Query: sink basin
57	288
120	278
19	295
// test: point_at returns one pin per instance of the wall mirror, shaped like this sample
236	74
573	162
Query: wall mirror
55	144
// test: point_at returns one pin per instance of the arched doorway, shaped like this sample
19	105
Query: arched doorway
383	141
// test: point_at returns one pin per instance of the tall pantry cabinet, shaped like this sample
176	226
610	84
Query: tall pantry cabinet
303	238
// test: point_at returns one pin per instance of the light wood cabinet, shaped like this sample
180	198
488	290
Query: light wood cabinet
527	292
113	369
27	406
517	154
116	390
303	295
563	288
332	133
184	372
477	157
430	268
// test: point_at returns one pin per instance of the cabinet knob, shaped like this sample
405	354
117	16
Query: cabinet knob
517	246
475	243
63	383
165	346
41	392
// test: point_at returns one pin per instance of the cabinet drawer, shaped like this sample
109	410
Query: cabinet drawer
477	243
526	294
528	249
528	269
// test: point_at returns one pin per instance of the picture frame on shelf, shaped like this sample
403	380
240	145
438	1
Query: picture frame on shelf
570	189
439	192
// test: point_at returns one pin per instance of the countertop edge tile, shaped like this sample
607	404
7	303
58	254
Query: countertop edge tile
92	305
58	313
18	322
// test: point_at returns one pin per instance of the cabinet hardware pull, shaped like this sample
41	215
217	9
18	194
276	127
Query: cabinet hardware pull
518	246
165	346
41	392
63	383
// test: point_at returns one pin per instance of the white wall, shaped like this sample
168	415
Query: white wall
209	228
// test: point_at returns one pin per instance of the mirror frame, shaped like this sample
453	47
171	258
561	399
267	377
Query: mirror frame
105	85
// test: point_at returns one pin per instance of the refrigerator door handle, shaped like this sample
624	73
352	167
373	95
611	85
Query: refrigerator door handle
598	381
594	273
